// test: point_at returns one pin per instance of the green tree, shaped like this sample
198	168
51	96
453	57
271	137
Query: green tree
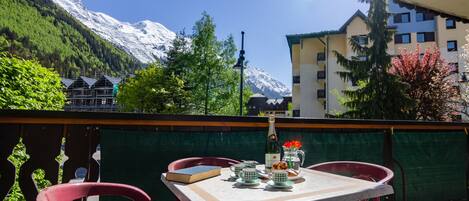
206	66
153	91
25	84
383	95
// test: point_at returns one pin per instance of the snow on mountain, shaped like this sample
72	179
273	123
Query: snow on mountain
147	41
262	82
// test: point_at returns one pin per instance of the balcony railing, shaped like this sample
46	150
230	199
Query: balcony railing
136	148
321	93
321	75
296	79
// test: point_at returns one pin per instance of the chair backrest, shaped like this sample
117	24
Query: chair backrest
359	170
73	191
194	161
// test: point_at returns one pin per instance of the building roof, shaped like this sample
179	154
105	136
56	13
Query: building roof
257	95
66	82
113	80
296	38
89	81
274	101
457	9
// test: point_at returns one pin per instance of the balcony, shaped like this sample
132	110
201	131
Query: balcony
321	57
321	93
321	75
136	148
296	79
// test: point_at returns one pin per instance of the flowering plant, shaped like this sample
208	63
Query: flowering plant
292	144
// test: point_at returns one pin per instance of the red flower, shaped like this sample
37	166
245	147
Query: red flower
292	144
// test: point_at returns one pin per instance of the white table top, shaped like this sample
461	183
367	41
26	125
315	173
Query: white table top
315	185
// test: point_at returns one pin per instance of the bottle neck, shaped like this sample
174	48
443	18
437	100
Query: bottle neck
271	129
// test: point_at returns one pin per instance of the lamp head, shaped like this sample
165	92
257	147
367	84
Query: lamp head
240	63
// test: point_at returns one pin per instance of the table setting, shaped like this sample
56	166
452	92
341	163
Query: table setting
281	177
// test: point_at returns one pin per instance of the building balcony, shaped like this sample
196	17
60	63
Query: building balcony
296	79
137	148
321	75
321	93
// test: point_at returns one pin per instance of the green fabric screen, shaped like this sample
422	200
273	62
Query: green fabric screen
434	165
138	158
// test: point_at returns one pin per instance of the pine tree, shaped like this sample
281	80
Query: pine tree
379	95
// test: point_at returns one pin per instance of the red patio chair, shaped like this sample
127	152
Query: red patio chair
194	161
359	170
73	191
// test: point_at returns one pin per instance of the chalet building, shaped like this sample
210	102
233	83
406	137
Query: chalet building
88	94
259	104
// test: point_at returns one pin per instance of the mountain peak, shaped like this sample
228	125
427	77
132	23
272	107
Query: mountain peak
148	41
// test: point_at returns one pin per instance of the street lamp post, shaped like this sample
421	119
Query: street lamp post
240	65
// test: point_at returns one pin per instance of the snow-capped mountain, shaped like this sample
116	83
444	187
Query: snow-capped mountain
147	41
262	82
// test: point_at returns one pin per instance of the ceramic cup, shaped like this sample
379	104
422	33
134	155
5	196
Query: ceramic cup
248	175
279	177
237	168
250	164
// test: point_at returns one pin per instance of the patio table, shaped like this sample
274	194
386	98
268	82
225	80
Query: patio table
314	185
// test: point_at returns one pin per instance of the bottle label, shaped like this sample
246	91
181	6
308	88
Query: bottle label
271	159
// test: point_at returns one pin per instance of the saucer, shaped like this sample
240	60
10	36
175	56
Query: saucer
286	185
242	182
295	178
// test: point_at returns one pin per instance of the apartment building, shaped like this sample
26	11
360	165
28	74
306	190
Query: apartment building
317	88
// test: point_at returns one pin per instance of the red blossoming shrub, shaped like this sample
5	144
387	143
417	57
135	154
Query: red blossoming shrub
430	84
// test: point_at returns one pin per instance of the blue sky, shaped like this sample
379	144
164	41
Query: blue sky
266	22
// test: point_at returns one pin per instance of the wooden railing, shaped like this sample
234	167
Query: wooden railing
42	133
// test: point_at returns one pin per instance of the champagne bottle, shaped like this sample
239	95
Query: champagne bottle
272	147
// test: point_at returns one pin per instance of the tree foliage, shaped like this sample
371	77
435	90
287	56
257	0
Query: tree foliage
153	91
38	29
431	88
206	66
26	84
383	95
464	85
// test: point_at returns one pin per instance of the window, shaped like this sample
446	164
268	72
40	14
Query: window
424	16
450	24
425	37
402	18
452	46
402	38
361	40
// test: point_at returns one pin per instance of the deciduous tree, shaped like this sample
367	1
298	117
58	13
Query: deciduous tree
430	85
153	91
25	84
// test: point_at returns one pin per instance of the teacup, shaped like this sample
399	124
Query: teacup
280	177
248	175
250	164
237	168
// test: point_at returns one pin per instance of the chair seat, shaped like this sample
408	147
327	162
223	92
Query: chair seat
73	191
